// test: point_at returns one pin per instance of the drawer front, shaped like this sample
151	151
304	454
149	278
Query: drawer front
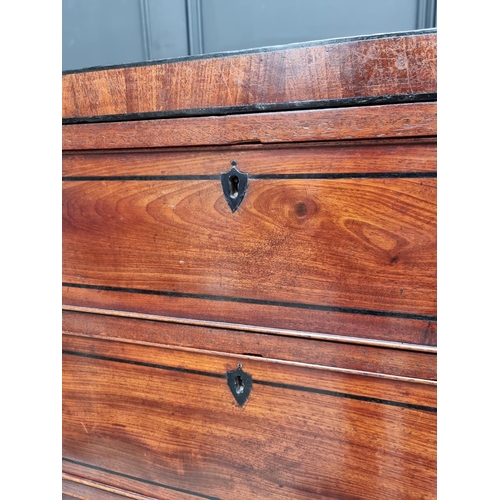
370	122
343	244
343	157
350	243
166	419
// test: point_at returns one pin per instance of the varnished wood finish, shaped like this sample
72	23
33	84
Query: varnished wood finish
76	487
321	285
326	352
399	120
353	69
402	391
258	317
352	243
115	480
166	436
410	155
254	328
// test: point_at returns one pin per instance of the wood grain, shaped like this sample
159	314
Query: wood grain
367	244
323	288
117	483
421	393
353	69
399	120
270	448
405	363
258	317
403	155
77	487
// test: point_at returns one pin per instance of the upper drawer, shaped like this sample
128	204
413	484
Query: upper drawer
353	230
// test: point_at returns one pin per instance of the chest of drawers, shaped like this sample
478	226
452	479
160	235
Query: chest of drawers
249	274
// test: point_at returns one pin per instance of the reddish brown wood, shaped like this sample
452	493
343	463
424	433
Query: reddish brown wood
257	317
323	289
210	445
338	157
76	487
385	387
115	482
405	363
367	244
399	120
378	67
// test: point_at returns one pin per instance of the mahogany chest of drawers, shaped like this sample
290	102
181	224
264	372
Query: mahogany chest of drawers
249	274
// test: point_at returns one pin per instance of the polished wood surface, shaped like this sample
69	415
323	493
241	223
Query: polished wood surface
357	157
77	487
399	120
356	68
128	408
307	322
351	243
402	390
320	286
392	359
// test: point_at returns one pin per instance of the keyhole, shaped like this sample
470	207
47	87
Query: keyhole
233	186
239	384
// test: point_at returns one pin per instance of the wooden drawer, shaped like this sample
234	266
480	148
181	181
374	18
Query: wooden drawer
281	348
167	417
347	243
336	243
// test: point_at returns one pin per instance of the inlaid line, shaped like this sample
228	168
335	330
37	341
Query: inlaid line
352	175
134	478
142	363
256	381
243	300
346	102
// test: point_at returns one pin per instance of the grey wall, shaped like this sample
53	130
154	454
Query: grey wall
105	32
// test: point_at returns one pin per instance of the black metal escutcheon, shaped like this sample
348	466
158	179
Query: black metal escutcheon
240	384
234	186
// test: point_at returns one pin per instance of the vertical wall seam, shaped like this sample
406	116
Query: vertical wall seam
194	27
146	29
426	14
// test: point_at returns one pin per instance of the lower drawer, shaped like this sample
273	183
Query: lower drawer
163	421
